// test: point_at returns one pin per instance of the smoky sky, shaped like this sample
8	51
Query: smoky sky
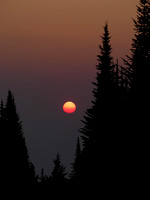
48	55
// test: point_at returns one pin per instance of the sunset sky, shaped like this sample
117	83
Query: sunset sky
48	52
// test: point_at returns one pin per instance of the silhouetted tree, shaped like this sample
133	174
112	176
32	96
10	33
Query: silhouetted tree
139	61
1	110
18	170
138	66
75	173
106	135
97	157
2	119
103	91
58	173
57	180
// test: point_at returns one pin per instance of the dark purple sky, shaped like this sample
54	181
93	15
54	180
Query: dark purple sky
47	56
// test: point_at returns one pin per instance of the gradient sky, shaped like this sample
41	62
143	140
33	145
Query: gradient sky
48	54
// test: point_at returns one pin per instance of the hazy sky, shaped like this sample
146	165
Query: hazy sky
48	54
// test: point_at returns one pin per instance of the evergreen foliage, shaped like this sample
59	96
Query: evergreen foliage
139	61
110	135
138	65
114	133
17	168
58	173
99	121
103	89
75	173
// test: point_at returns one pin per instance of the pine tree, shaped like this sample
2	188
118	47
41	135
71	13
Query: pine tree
58	173
138	98
76	165
19	171
1	110
103	91
99	121
139	61
4	155
105	68
2	119
138	68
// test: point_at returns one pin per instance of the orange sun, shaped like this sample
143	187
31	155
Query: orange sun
69	107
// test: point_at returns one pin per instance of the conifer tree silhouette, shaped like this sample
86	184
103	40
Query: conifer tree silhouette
97	154
103	89
138	66
1	110
75	173
19	171
2	118
58	173
104	160
139	61
57	179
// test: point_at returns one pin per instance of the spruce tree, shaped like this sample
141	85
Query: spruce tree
19	171
4	155
139	61
103	92
1	110
58	173
75	173
138	67
99	122
2	120
138	98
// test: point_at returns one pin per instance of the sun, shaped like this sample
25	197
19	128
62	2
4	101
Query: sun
69	107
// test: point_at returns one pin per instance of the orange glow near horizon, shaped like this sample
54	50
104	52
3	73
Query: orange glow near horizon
69	107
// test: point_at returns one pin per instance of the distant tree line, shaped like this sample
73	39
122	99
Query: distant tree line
112	149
